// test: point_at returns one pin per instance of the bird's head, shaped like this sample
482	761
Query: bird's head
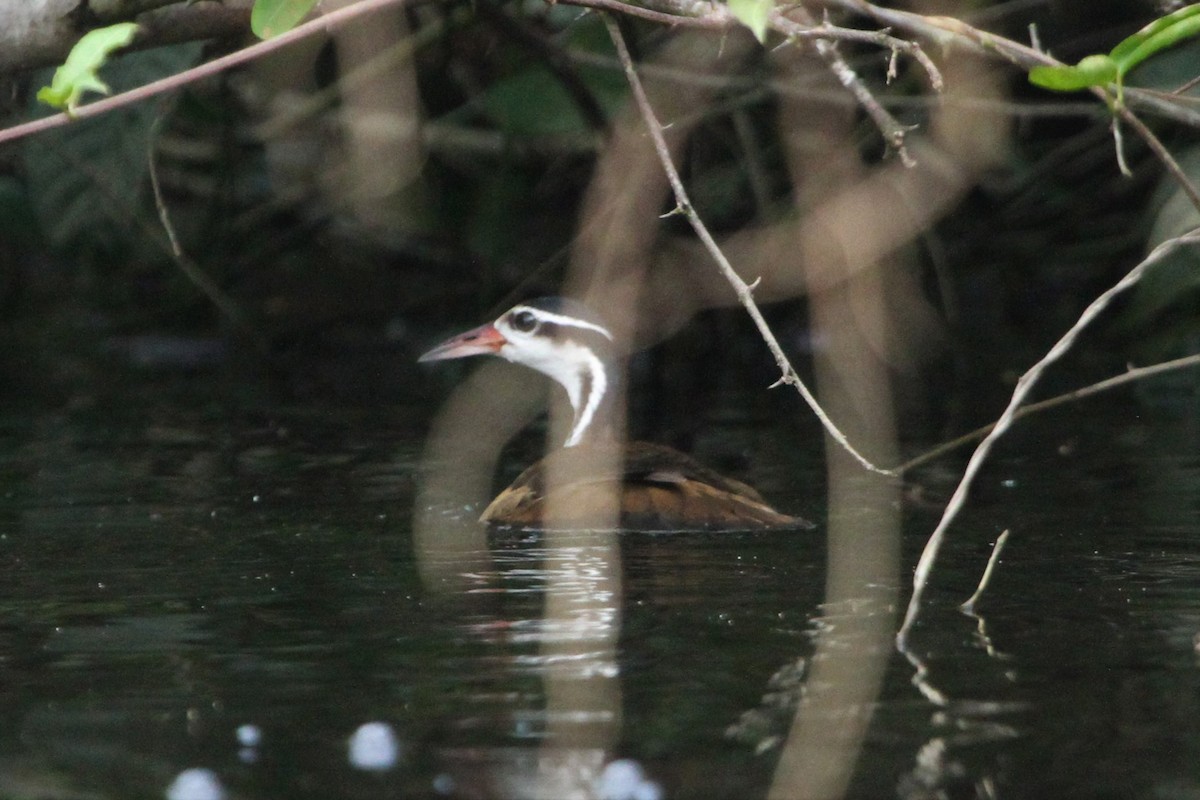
559	338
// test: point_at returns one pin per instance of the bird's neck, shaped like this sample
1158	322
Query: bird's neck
593	389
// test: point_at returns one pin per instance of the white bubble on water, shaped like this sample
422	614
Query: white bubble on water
624	779
249	735
374	746
196	784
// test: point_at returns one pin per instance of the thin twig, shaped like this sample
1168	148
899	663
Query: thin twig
1119	147
1187	86
552	55
947	30
713	16
893	132
743	290
1164	155
1024	386
187	266
948	33
717	16
172	82
994	559
891	128
1132	375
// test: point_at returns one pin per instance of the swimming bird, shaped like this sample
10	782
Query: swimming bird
660	488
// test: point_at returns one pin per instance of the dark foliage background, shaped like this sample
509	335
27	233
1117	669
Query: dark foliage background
515	100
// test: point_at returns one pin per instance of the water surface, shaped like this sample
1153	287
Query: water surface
174	573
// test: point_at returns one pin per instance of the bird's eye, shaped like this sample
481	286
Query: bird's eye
523	321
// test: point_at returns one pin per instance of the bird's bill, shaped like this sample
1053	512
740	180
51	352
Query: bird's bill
482	341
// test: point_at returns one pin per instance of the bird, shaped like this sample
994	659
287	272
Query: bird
661	488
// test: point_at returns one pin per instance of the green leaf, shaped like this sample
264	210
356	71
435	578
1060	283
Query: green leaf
78	73
753	14
1091	71
272	17
1099	70
1158	35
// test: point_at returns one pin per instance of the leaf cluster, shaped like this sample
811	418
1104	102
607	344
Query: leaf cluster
1099	70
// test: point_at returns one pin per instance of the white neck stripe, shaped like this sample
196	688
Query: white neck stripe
585	415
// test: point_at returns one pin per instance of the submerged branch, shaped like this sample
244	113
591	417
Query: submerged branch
994	559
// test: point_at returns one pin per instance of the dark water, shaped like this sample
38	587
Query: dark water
177	577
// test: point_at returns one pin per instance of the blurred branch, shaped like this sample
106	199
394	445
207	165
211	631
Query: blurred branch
716	16
942	31
177	22
744	291
1024	386
351	77
36	35
192	23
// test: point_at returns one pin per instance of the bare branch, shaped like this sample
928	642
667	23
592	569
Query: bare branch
40	34
716	16
893	132
742	289
1024	386
994	559
1132	375
947	32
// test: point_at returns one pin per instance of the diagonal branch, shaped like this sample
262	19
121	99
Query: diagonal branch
745	292
173	82
1132	375
893	131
